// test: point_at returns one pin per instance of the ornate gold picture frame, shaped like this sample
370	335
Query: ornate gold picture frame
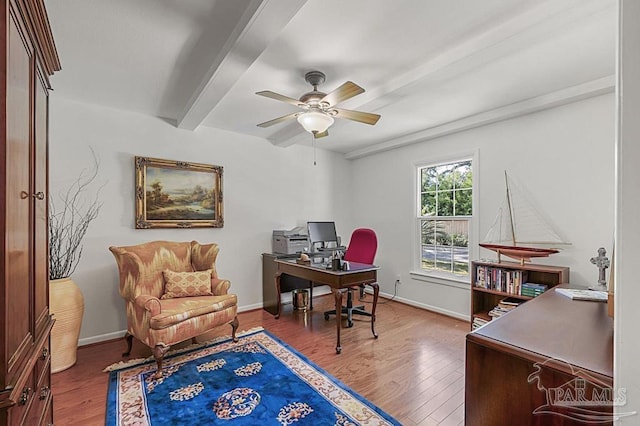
178	194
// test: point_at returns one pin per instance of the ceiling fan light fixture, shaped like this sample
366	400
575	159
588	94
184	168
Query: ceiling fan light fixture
315	121
319	107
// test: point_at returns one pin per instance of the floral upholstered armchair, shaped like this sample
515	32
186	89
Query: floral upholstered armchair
172	293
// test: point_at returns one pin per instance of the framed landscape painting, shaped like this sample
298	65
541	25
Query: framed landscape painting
177	194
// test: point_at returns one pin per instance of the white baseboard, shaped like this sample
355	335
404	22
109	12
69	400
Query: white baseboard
431	308
286	298
249	307
317	291
424	306
101	338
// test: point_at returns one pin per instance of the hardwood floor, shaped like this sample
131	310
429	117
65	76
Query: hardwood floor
414	371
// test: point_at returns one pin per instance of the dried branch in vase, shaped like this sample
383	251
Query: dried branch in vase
68	223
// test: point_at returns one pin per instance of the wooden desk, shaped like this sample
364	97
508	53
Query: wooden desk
518	364
339	281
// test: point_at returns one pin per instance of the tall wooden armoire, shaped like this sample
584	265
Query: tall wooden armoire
28	58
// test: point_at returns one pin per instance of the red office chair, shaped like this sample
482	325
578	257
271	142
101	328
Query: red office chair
362	249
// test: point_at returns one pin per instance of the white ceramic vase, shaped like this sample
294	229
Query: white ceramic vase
66	303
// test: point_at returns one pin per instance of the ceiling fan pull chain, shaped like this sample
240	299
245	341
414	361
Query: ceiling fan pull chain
313	144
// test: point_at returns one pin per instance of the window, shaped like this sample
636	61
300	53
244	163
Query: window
445	209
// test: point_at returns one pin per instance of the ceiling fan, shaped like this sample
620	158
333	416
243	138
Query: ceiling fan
319	108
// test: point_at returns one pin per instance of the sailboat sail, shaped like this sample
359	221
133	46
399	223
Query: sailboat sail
520	226
501	232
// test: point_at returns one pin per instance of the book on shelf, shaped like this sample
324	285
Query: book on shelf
497	312
510	301
504	306
532	289
478	322
579	294
535	286
499	279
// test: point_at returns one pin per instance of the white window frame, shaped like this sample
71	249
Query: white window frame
440	277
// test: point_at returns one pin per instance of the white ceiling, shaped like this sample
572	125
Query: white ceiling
429	67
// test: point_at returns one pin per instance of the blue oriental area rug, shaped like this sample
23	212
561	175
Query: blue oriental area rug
257	381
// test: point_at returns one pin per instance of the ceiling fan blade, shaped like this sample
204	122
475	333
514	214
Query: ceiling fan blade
321	135
342	93
362	117
279	97
278	120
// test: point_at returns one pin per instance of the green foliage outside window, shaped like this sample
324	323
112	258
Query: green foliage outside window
447	190
446	204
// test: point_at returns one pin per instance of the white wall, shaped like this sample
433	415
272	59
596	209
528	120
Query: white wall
627	292
562	157
265	188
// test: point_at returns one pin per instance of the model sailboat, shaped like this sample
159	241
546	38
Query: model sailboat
519	231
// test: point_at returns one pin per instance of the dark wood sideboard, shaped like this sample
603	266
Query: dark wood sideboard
549	349
287	282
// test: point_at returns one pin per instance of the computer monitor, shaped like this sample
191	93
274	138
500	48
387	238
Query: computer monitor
322	232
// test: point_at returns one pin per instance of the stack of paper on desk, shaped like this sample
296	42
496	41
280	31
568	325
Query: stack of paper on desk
576	294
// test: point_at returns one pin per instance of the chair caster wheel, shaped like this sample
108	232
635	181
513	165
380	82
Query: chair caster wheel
326	317
350	324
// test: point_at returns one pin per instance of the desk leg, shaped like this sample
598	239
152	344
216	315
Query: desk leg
279	303
376	290
338	296
311	295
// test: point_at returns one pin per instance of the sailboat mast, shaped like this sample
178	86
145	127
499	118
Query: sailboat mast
513	230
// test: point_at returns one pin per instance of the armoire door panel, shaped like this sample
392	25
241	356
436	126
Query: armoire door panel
40	240
18	197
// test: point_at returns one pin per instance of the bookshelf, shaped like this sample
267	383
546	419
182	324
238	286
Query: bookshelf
492	282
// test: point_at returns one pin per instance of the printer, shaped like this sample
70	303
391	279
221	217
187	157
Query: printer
290	242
